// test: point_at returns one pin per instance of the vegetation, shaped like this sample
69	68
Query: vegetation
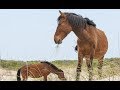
13	64
111	67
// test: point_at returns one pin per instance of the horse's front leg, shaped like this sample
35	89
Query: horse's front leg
80	61
89	67
89	62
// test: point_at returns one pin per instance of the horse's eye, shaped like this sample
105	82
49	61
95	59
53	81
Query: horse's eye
62	17
59	23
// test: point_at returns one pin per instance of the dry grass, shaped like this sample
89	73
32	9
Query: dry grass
111	72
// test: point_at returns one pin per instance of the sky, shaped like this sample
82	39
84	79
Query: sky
28	34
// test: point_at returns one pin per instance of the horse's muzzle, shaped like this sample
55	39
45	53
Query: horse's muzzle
64	79
57	40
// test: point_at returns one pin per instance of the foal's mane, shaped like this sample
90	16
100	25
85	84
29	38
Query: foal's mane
52	66
77	20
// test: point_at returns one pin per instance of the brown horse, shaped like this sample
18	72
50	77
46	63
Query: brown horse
91	44
39	70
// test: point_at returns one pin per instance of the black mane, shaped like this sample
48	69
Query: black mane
77	20
52	65
90	22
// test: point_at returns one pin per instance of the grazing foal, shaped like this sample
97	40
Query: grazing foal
39	70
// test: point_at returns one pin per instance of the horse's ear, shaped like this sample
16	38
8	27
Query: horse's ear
60	12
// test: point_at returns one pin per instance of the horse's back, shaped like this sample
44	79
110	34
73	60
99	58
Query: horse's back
33	70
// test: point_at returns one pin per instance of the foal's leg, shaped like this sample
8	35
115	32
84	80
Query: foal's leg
25	77
80	61
100	64
45	78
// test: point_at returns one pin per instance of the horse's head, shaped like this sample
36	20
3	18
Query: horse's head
61	76
63	28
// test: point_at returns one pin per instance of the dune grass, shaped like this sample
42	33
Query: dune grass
111	68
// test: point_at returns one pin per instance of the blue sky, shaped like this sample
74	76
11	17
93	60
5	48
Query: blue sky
27	34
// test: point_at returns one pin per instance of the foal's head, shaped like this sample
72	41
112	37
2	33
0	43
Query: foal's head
55	70
61	75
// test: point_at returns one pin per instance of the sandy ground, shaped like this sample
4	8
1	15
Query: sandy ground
9	75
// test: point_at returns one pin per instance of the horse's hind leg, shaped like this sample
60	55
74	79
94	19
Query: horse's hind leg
100	64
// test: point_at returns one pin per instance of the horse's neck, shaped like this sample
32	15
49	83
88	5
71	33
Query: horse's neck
53	70
82	34
78	33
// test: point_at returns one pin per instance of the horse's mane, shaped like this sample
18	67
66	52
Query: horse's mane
52	65
90	22
77	20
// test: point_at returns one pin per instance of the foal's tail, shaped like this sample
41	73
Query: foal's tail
18	75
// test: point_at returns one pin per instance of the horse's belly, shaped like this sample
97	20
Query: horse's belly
100	51
98	54
35	76
34	73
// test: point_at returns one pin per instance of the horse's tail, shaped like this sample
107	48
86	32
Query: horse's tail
18	75
76	48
